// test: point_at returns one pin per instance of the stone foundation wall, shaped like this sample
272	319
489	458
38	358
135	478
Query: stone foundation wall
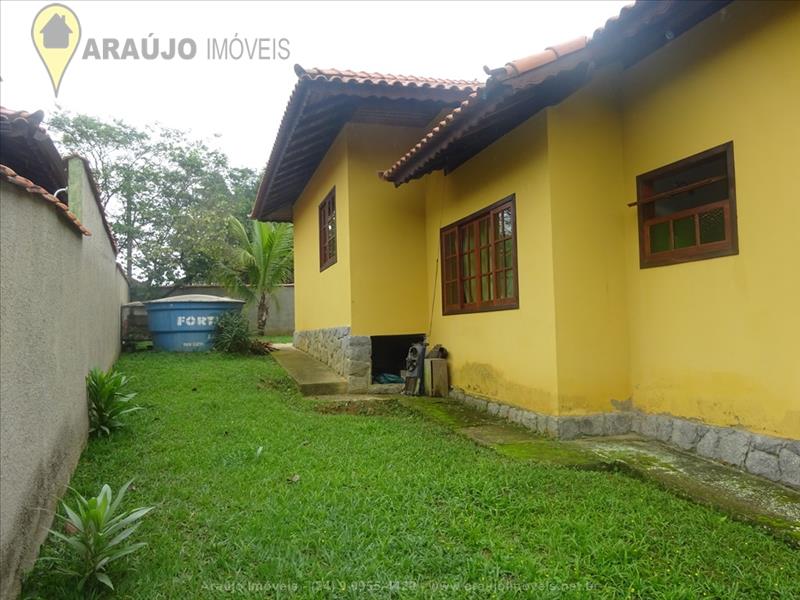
776	459
349	355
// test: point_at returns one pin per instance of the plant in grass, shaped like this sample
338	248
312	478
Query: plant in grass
108	402
232	333
96	534
265	261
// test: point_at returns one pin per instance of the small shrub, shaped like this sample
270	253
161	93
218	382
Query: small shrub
96	534
108	401
232	333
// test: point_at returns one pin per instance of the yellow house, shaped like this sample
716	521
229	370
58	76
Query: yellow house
603	235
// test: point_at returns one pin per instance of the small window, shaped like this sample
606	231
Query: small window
327	231
479	261
687	210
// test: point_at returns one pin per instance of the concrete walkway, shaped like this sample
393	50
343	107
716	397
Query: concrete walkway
738	494
312	377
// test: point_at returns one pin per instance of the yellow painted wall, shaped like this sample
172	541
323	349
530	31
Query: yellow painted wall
323	299
719	339
588	217
715	340
387	235
509	354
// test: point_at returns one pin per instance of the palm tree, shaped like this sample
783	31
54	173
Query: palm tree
265	261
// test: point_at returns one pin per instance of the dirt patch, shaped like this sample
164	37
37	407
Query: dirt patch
369	407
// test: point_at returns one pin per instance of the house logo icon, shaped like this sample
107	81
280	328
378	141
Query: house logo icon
56	33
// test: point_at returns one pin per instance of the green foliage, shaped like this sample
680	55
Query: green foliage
97	534
389	498
167	196
232	333
108	402
264	260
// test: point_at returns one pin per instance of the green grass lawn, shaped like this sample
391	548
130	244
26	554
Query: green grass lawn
387	505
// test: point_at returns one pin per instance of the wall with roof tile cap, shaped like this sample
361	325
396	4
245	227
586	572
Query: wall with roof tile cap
61	295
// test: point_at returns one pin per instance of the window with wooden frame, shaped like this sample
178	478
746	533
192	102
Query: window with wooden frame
479	261
687	210
327	231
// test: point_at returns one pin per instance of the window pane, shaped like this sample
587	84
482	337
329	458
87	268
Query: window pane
469	290
659	237
450	243
507	223
692	199
499	255
451	294
683	230
509	284
509	253
484	227
501	284
485	267
713	167
712	226
450	269
468	265
503	224
486	288
467	238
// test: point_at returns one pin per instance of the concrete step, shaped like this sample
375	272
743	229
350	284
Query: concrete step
313	377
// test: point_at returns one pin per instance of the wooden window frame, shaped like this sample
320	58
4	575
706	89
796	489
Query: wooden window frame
327	241
456	229
727	247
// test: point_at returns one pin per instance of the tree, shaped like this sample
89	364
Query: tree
265	261
167	196
120	156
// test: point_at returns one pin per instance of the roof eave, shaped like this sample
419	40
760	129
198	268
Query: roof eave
281	140
419	164
310	83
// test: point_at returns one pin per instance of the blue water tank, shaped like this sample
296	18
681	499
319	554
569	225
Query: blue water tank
186	323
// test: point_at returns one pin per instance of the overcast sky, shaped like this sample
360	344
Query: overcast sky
237	104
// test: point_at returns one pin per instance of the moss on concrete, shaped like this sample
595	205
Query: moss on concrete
741	495
738	494
550	452
447	412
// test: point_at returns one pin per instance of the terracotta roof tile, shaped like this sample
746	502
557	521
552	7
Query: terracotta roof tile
28	149
550	61
26	124
534	61
509	70
334	83
21	118
9	175
364	77
446	122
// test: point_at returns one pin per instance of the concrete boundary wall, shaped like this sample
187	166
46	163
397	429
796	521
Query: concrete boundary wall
777	459
59	316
